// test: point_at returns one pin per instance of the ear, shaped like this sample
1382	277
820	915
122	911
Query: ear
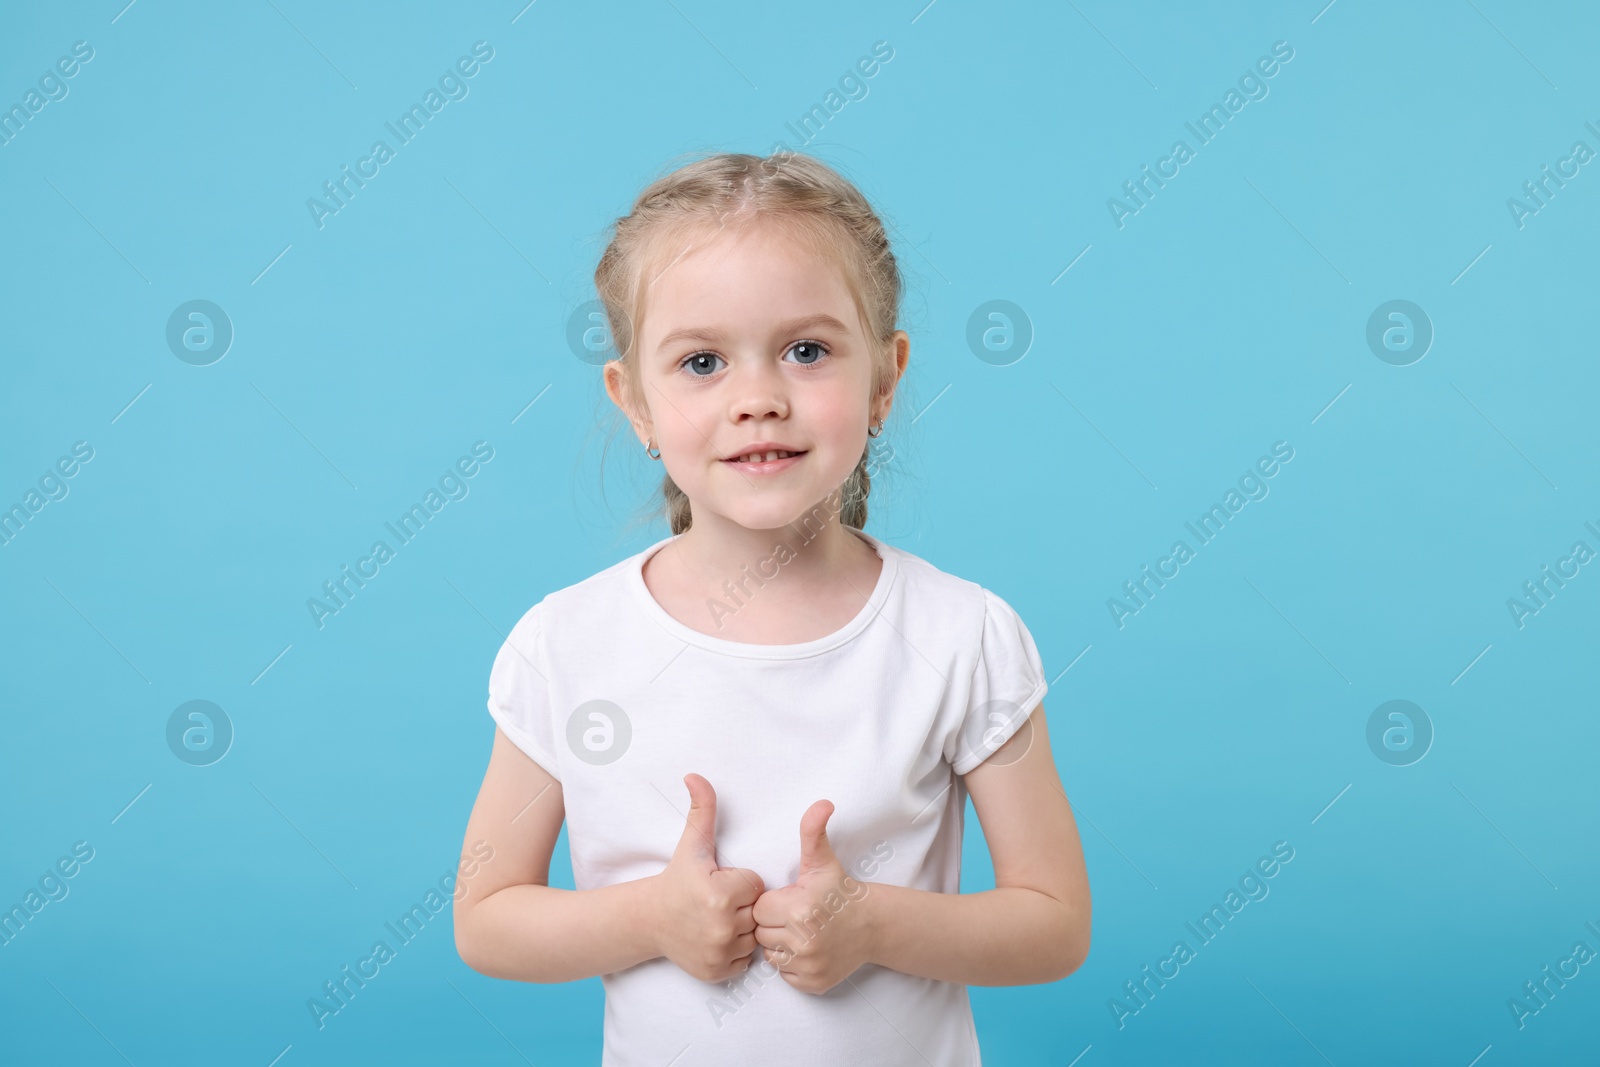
616	379
900	343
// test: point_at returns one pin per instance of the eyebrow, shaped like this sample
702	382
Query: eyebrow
706	333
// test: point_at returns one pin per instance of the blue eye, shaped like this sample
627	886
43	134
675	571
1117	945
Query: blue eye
697	363
818	351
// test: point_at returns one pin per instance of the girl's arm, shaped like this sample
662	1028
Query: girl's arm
510	923
1034	925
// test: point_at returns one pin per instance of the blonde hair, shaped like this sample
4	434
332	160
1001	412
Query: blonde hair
815	204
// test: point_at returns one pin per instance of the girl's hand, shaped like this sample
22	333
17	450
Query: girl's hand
815	930
707	912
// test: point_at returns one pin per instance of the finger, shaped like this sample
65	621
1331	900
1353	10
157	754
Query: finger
815	850
744	944
700	828
744	885
768	909
744	919
775	941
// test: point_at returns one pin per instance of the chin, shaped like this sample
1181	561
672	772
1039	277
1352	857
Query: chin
770	515
766	518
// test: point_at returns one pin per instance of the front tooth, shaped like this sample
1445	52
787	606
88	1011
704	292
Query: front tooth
771	456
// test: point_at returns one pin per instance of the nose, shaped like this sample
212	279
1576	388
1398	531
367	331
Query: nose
759	391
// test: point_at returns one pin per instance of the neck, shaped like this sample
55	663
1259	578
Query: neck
816	546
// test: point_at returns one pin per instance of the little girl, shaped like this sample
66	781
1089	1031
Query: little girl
762	730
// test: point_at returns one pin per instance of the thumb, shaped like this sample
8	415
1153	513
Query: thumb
700	830
815	850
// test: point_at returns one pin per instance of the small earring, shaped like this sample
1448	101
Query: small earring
873	431
648	446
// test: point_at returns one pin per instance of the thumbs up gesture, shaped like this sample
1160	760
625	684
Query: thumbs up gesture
816	929
707	918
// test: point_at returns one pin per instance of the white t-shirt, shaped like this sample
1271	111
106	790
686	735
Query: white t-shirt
618	700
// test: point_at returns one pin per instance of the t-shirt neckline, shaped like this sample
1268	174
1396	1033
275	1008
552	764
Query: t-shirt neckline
689	635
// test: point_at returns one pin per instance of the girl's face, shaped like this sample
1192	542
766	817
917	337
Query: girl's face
749	340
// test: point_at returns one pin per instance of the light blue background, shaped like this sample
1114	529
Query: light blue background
427	315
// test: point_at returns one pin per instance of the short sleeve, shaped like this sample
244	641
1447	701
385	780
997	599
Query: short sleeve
1007	684
519	693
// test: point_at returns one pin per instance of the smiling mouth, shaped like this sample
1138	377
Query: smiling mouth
763	458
